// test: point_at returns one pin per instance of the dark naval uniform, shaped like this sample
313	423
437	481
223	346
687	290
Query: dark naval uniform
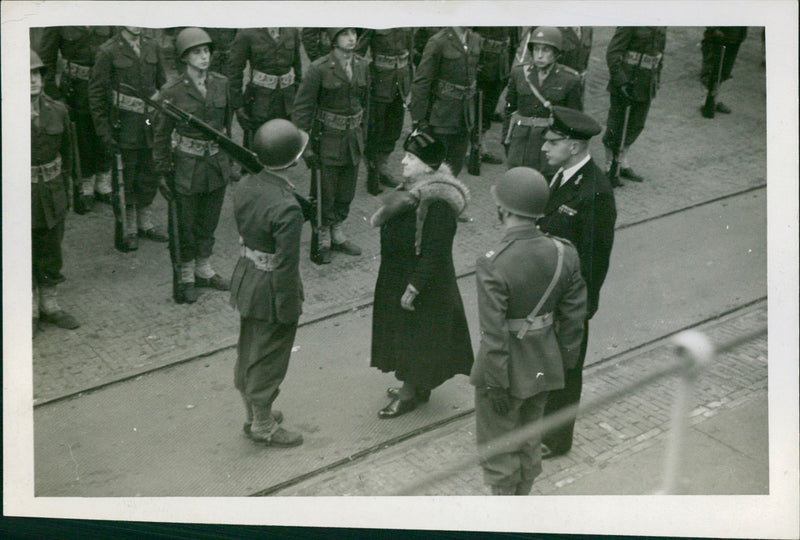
634	58
494	67
511	281
390	70
330	106
527	118
275	73
266	287
123	121
78	46
200	169
443	92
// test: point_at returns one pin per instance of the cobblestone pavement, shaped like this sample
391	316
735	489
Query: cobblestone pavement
130	325
605	437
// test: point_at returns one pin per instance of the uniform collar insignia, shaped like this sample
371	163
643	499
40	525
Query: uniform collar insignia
578	179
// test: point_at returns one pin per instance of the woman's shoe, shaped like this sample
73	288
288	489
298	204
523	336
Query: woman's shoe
422	396
397	407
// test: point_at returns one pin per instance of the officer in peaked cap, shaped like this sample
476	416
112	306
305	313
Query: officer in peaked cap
581	209
527	286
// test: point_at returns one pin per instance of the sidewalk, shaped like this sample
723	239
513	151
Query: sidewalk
618	450
130	324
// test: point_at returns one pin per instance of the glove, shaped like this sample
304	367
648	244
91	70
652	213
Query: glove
627	91
419	126
165	190
244	119
311	159
407	300
501	402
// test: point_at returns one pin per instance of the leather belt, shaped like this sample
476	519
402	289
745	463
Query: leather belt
530	121
46	172
386	61
645	61
340	121
77	71
261	259
271	82
536	323
196	147
454	91
127	103
493	46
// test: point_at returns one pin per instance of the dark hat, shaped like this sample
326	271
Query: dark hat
573	123
431	151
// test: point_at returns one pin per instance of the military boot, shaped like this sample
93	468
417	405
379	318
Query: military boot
373	179
266	430
339	241
324	244
205	276
709	107
102	187
145	227
248	407
187	293
382	163
51	312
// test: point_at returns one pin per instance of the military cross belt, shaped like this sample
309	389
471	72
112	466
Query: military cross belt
447	89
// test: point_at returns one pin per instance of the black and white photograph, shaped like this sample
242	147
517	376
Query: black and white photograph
514	275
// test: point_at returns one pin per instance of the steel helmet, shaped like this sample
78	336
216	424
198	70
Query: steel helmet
547	35
279	143
522	191
36	62
333	32
192	37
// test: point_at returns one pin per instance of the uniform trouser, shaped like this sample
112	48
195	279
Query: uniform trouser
385	126
198	216
616	119
491	88
712	53
455	145
263	359
338	191
94	158
141	181
517	464
47	260
559	440
525	150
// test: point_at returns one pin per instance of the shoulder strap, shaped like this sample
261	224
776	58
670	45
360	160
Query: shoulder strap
546	295
526	71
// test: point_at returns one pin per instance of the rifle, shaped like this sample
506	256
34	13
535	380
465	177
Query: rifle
247	158
613	171
711	97
118	187
316	185
174	239
474	163
74	178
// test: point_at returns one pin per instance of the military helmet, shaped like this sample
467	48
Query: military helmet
279	143
36	62
192	37
522	191
333	32
547	35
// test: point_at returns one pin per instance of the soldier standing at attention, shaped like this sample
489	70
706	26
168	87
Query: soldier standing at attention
266	287
390	49
200	170
443	92
720	47
532	304
534	88
78	46
316	42
51	159
330	105
123	123
634	58
493	72
275	73
581	209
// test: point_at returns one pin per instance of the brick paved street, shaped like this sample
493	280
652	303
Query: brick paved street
130	324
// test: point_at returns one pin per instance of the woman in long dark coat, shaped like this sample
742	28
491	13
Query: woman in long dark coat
419	330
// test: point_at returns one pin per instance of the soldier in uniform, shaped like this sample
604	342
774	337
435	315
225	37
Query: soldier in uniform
532	304
266	287
493	72
78	47
634	58
200	170
534	88
390	71
582	210
223	41
275	73
577	50
331	100
123	123
316	42
443	92
714	39
51	160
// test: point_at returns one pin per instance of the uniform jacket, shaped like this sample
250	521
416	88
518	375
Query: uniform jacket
494	64
223	40
326	88
269	219
584	212
388	83
77	45
446	59
256	46
511	281
117	63
192	173
577	50
315	42
50	138
627	63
